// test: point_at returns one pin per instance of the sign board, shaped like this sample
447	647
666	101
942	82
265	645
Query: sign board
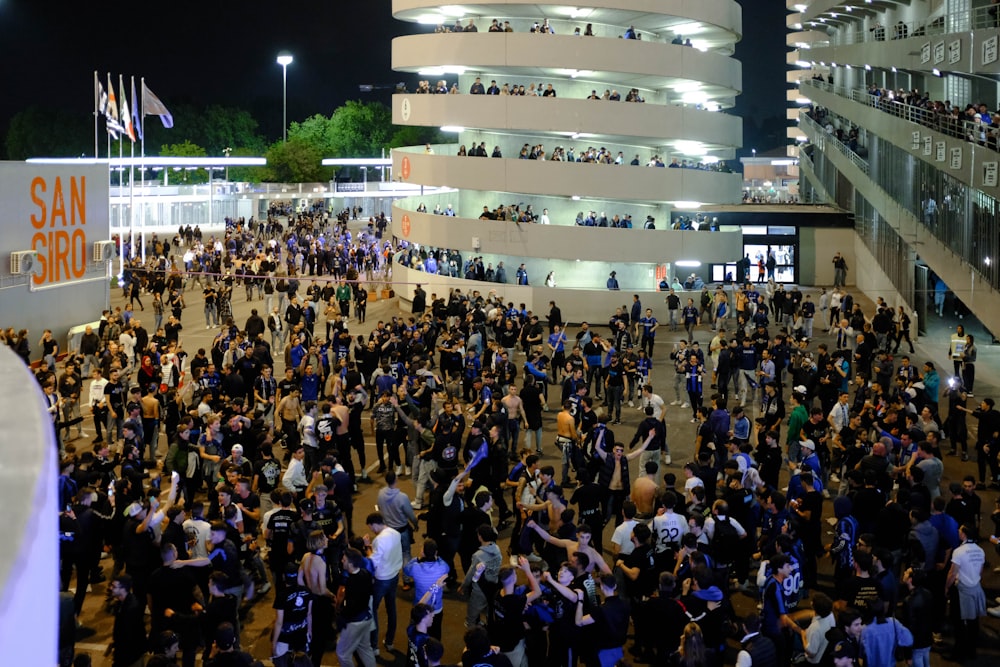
990	174
939	53
915	139
956	158
58	211
406	225
939	151
404	109
405	168
990	50
954	52
928	145
925	53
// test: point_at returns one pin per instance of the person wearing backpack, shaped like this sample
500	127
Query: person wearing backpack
724	535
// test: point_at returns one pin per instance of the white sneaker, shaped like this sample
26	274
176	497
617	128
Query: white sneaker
685	404
674	402
631	404
834	478
667	460
406	470
399	470
994	612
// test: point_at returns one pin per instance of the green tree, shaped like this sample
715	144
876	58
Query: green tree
412	135
296	161
37	132
360	129
185	149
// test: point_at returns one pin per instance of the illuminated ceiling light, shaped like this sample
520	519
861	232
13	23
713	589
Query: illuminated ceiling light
802	100
987	261
849	8
801	140
803	63
688	263
688	147
575	135
797	26
686	204
710	159
694	97
893	70
452	128
690	28
431	71
847	66
453	69
833	14
700	46
686	86
430	19
936	72
868	68
578	13
575	198
822	64
800	8
453	10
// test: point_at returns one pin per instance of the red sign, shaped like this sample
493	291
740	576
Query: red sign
405	168
406	222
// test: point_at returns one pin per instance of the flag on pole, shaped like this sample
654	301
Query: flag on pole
152	106
102	98
126	117
111	113
136	114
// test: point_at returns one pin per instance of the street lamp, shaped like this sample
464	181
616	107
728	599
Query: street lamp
226	151
284	59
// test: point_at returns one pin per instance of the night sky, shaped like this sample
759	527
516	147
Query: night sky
220	52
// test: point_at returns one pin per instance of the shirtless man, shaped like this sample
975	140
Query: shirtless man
289	413
581	544
515	415
314	574
567	439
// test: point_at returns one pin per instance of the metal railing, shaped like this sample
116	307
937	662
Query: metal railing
856	159
972	131
961	21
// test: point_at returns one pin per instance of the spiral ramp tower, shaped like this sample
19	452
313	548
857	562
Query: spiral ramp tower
686	91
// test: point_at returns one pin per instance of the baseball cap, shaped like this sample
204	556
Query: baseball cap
133	509
307	505
238	448
808	444
799	389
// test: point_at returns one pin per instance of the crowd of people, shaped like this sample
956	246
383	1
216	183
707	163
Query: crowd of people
252	486
592	155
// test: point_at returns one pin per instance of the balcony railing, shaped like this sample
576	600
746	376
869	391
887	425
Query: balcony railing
975	132
820	131
962	21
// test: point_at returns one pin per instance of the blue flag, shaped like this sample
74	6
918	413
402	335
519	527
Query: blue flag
136	113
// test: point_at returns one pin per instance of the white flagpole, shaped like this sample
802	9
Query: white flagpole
142	162
97	113
121	238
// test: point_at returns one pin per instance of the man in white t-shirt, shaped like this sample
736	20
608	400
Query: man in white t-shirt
967	562
668	526
622	538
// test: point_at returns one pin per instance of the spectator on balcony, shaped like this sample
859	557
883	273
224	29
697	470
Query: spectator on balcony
461	151
615	96
477	87
900	31
593	95
631	33
678	40
506	27
495	26
470	26
879	31
496	152
589	31
493	89
613	282
549	91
